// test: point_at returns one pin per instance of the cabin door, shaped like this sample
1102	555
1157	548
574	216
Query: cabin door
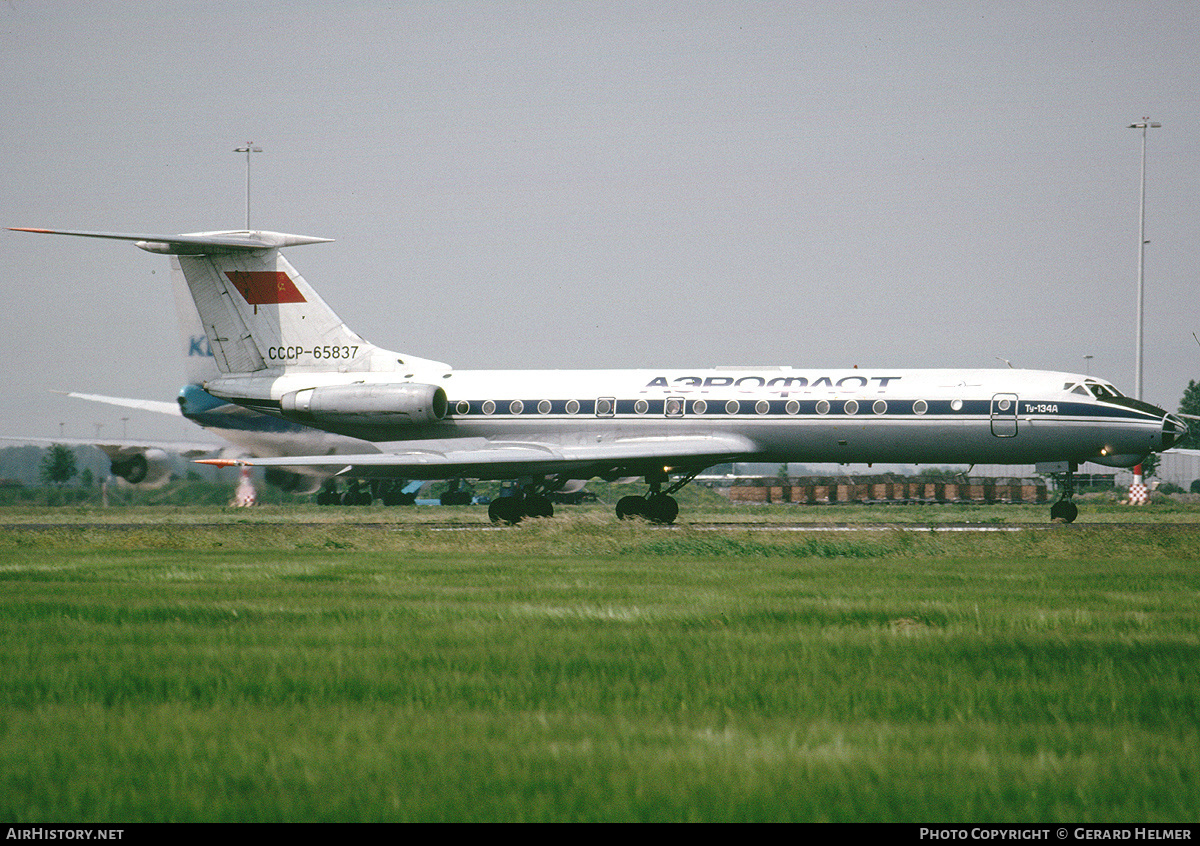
1004	415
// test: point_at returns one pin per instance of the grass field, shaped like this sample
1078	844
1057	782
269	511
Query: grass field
295	665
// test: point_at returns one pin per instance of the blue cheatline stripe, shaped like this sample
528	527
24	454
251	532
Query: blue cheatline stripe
628	408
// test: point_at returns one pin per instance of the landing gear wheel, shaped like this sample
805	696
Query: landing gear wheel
358	494
506	509
661	508
631	506
536	505
393	494
1064	511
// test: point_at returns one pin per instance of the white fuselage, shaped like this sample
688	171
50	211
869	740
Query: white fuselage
814	415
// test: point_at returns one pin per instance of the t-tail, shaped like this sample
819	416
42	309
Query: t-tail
258	313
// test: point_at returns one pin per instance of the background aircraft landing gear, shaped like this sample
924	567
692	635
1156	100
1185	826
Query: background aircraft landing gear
457	493
399	492
329	495
364	493
358	493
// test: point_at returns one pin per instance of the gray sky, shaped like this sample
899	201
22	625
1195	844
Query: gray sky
608	184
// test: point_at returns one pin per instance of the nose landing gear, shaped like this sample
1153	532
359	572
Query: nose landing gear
1065	510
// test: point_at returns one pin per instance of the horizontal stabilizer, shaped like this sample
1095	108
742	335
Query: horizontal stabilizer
195	243
258	312
157	406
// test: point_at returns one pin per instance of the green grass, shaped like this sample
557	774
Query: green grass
581	669
696	505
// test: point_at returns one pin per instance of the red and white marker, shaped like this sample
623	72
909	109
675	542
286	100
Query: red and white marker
245	495
1137	491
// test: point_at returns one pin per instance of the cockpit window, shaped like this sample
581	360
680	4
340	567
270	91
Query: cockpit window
1078	389
1103	392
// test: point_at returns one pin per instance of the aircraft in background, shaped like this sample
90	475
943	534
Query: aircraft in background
283	352
141	463
247	433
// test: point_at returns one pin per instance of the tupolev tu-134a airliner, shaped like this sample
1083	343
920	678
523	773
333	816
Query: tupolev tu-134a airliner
281	350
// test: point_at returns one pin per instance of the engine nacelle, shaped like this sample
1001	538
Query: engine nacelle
145	469
365	405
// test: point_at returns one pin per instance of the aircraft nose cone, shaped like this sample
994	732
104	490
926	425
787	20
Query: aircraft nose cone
1174	430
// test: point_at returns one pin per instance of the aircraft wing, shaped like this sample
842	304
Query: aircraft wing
119	446
483	459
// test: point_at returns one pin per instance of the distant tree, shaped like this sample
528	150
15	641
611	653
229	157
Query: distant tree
58	465
86	478
1190	404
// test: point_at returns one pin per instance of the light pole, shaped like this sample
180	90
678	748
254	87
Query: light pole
1141	279
1087	359
248	149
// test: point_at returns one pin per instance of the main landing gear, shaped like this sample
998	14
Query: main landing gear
533	500
357	492
530	500
657	506
361	492
1065	510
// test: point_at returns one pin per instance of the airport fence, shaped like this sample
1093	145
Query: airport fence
826	492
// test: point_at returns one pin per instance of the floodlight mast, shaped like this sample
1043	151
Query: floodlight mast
1141	277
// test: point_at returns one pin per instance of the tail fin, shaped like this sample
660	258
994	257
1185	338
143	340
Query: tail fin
200	364
258	312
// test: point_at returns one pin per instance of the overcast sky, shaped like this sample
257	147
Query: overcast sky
608	184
